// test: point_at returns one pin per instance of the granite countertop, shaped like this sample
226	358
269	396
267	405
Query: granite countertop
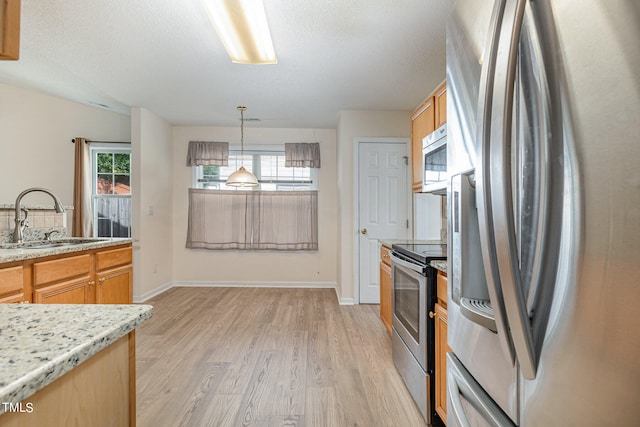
23	253
440	265
42	342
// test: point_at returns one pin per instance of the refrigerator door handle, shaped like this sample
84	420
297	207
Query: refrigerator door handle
461	384
501	190
527	314
456	409
483	183
514	266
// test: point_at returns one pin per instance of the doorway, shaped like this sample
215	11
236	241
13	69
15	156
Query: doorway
382	206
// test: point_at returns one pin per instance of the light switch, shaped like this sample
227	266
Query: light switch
150	210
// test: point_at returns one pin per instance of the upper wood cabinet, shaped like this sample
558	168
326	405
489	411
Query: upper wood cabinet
440	101
9	29
422	124
429	116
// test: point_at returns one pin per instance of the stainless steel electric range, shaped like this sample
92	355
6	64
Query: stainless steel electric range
413	297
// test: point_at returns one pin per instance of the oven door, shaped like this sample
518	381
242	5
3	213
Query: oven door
409	302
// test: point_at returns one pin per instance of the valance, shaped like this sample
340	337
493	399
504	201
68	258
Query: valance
302	155
208	153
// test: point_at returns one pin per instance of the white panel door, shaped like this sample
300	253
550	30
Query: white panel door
383	206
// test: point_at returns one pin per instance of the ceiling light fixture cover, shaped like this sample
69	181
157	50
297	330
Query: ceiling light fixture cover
243	28
242	177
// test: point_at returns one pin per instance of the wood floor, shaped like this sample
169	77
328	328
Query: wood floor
267	357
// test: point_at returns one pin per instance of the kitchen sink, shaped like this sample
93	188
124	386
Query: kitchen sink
45	244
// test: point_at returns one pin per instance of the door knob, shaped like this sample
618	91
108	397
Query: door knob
363	231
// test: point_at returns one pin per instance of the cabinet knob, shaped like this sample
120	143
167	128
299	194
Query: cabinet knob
102	279
91	282
432	314
25	302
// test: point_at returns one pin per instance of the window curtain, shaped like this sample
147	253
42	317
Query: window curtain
302	155
82	224
286	220
208	153
259	220
218	219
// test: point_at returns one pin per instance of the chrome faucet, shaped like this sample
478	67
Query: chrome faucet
21	223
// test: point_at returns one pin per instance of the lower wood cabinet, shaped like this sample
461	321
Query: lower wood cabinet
68	292
12	284
98	392
103	276
115	286
385	288
442	347
441	361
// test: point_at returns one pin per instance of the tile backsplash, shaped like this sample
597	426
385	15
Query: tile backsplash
41	220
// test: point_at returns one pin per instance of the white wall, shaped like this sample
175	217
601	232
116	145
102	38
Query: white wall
35	141
152	148
356	123
283	268
36	150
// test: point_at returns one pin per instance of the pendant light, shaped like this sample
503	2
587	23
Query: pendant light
242	177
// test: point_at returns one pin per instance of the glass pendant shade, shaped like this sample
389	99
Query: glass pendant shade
242	177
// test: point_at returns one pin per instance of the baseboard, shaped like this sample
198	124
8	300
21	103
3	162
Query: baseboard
347	301
157	291
344	301
261	284
215	284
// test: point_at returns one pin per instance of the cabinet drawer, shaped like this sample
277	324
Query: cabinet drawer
384	255
61	269
11	280
113	258
442	288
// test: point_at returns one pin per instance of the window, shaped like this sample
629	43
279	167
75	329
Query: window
283	216
111	191
267	166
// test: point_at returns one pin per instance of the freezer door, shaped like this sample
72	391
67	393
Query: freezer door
468	404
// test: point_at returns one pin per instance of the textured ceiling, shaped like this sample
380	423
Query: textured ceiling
164	56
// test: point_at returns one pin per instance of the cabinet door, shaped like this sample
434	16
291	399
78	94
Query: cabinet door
115	286
442	347
10	29
422	124
71	292
13	299
440	101
385	295
11	284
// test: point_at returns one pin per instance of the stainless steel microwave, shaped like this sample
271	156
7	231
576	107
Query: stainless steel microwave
434	161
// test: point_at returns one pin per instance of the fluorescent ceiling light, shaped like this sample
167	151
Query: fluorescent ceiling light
242	26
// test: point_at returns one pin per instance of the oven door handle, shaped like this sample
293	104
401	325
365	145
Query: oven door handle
407	264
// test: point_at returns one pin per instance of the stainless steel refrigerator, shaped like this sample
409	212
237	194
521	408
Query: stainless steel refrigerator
544	213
